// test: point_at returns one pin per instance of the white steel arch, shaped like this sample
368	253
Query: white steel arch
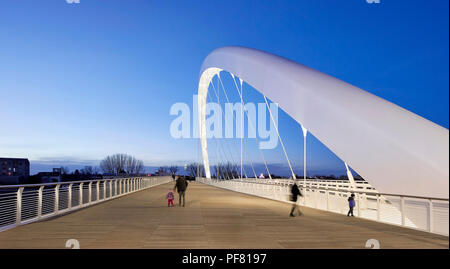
394	149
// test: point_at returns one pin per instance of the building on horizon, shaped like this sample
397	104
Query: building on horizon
14	170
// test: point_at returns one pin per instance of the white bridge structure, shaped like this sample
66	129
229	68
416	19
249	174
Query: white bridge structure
403	156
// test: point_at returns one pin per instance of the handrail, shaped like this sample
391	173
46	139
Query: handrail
22	205
62	182
347	190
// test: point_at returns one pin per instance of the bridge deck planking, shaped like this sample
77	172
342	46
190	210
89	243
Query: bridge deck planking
212	218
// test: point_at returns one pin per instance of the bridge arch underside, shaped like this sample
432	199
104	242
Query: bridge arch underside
394	149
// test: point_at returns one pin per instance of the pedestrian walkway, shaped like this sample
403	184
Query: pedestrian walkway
212	218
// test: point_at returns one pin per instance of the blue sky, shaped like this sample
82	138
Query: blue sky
81	81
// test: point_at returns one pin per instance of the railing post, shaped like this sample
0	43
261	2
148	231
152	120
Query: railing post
104	190
80	190
315	198
98	190
115	188
110	189
19	206
378	208
328	198
56	199
304	194
359	205
39	209
69	197
402	209
90	193
430	215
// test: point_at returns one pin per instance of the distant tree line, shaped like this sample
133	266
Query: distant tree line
192	170
225	171
121	164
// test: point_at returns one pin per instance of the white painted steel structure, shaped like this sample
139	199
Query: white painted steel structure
23	204
394	149
421	213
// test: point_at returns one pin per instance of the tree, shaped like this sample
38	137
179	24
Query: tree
64	170
196	170
173	170
139	167
226	171
87	170
121	164
107	165
162	171
96	170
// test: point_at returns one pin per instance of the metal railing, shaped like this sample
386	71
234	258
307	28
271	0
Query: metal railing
23	204
422	213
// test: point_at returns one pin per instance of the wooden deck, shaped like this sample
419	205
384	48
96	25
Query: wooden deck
212	218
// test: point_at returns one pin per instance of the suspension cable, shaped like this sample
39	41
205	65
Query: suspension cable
281	141
257	140
228	147
241	94
228	100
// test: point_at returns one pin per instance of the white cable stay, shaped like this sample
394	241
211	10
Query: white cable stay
254	128
226	142
220	155
251	163
228	100
279	137
226	161
228	147
241	95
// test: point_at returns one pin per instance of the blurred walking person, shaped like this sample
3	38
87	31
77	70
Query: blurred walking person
295	192
351	205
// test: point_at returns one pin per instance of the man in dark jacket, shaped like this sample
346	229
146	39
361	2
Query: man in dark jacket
295	191
181	186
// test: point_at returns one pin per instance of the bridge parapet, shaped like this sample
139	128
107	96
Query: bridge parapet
422	213
23	204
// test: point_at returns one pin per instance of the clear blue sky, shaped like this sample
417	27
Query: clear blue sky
80	81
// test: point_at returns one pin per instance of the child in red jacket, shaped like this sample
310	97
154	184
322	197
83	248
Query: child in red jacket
170	196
